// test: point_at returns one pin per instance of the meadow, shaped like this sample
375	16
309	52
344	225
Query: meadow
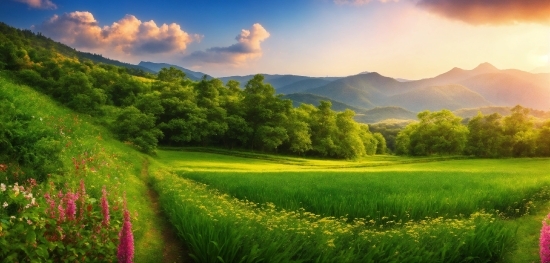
377	209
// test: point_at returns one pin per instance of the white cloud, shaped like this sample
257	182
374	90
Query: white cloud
247	47
42	4
129	35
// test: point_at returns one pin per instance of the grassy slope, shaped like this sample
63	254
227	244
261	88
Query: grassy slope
122	175
514	178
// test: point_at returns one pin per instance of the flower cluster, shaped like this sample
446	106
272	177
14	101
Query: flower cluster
544	241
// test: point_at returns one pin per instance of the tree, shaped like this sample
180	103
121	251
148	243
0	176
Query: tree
348	136
381	143
436	133
486	136
139	128
519	134
171	74
543	140
323	129
265	114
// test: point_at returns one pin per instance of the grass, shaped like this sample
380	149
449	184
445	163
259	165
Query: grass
381	197
402	191
108	162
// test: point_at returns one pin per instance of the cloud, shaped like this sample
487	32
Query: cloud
479	12
41	4
359	2
247	47
129	35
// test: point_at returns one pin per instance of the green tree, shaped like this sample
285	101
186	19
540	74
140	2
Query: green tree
381	143
348	136
171	74
486	136
323	129
139	128
520	138
266	114
436	133
543	140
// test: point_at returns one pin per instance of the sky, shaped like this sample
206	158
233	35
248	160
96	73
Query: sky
410	39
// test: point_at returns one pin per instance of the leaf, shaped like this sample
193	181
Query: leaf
31	237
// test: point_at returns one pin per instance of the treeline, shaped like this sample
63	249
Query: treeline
516	135
173	110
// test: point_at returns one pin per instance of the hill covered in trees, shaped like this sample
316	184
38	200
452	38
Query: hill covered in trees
173	110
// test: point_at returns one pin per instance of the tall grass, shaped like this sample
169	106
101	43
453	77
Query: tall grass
448	189
220	228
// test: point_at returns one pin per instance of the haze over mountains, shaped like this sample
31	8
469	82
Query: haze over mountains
455	89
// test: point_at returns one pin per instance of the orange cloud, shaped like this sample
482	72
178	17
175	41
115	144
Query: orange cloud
490	11
129	35
42	4
247	47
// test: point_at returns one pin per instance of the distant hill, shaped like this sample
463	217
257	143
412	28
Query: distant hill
511	87
379	114
363	90
504	111
302	85
299	98
156	67
457	88
279	81
434	98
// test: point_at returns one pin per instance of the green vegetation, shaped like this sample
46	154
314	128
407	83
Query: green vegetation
55	151
240	200
63	171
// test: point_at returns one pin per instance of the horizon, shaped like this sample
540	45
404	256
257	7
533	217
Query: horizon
405	39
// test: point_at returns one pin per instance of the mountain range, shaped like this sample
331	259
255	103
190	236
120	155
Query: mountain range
455	89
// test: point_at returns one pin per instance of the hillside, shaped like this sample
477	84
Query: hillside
364	90
156	67
484	85
302	85
379	114
305	98
438	97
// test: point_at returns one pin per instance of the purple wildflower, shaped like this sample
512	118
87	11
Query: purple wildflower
545	242
125	251
105	207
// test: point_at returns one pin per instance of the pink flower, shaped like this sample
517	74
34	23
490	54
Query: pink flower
61	212
70	211
544	242
105	206
125	251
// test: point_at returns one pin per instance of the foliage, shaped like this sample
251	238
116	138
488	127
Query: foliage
436	133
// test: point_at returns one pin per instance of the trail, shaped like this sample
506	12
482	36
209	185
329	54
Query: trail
174	249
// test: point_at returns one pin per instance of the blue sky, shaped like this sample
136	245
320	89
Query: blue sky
397	38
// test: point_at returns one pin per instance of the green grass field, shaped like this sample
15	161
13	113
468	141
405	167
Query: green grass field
383	194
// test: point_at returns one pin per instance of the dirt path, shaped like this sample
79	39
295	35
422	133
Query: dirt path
174	249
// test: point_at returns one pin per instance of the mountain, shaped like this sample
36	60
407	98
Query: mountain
511	87
156	67
302	85
384	113
363	90
435	98
280	81
306	98
485	85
